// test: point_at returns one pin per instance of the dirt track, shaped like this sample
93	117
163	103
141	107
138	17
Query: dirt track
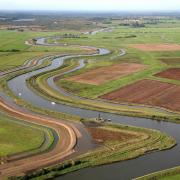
156	47
104	74
148	92
68	137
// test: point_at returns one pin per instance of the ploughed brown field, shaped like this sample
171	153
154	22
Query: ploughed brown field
101	75
102	135
156	47
148	92
172	73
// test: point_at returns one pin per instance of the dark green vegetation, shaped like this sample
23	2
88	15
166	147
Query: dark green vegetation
134	142
168	174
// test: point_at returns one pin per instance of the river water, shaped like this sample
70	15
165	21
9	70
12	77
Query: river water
117	171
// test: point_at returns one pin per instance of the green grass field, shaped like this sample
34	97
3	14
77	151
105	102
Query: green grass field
120	37
112	41
174	177
11	60
168	174
39	85
16	137
14	52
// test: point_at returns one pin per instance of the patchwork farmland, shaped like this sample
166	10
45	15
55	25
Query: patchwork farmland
173	73
148	92
81	92
101	75
156	47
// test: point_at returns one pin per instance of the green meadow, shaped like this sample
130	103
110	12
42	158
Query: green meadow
17	136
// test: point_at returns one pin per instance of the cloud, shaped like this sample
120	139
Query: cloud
90	4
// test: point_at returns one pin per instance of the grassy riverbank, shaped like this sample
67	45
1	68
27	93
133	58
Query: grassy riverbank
168	174
17	136
135	141
39	85
129	142
119	38
151	59
14	52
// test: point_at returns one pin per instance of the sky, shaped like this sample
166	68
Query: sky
90	5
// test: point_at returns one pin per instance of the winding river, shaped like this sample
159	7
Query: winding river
117	171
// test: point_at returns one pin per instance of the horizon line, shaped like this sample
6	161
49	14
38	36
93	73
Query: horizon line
68	10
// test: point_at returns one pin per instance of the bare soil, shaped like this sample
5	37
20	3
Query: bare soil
102	135
172	73
101	75
148	92
156	47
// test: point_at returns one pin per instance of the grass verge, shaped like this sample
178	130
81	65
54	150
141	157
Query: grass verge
168	174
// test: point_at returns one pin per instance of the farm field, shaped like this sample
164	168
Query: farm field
17	137
173	73
116	142
104	74
174	177
101	135
76	82
89	108
12	60
148	92
156	47
167	174
171	61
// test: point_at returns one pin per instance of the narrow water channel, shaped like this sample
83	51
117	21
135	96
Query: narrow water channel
117	171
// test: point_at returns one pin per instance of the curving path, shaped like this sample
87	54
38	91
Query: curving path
64	147
122	170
